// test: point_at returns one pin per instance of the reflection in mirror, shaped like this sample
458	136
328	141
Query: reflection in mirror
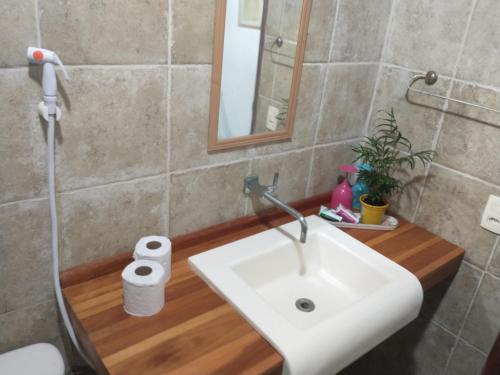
258	52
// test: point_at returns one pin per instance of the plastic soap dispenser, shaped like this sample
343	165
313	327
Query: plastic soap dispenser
359	188
342	194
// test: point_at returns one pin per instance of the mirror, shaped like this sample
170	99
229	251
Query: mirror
258	55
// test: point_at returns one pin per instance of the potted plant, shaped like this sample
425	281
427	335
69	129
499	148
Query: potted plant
385	151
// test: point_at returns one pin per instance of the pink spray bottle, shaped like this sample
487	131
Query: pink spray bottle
342	194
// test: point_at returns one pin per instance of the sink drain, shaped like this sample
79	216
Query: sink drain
305	304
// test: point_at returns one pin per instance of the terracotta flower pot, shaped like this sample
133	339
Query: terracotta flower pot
372	214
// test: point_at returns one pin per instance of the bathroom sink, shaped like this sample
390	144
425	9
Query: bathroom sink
321	304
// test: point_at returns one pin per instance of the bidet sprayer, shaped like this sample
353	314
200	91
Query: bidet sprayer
48	59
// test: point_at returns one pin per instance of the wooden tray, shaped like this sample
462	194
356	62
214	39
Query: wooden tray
389	223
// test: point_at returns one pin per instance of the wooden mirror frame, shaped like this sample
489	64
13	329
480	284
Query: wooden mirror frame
214	143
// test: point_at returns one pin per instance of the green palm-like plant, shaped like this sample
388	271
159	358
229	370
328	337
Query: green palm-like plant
385	151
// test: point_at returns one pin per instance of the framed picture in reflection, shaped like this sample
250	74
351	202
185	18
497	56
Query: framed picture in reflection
250	13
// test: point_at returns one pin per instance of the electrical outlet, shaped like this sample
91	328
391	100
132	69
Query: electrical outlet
491	215
272	121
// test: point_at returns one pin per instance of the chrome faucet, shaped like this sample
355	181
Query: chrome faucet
252	186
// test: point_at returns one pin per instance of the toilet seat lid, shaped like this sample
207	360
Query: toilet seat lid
39	359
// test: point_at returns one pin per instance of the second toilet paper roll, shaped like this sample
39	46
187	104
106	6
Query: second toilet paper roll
155	248
143	288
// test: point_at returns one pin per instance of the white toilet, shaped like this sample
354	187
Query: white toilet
36	359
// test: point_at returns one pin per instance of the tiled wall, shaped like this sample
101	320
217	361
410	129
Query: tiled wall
131	147
132	157
458	39
276	66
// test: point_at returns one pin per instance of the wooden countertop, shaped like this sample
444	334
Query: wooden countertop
198	332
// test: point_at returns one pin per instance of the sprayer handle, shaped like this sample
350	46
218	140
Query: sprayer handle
59	62
42	56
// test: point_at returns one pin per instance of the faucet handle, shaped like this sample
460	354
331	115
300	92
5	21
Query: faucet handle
274	186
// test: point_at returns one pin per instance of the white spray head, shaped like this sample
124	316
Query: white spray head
49	60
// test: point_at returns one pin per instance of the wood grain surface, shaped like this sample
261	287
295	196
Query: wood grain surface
198	332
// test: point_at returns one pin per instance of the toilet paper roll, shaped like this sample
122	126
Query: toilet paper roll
143	288
156	248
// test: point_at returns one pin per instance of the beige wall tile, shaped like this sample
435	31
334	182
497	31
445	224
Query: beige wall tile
320	30
404	203
190	98
480	59
22	144
325	167
447	302
267	73
417	117
495	262
189	118
205	197
36	323
360	31
283	83
451	207
192	29
25	256
347	101
18	31
470	141
99	222
306	114
290	19
420	348
427	34
105	31
114	126
293	169
466	360
482	325
274	14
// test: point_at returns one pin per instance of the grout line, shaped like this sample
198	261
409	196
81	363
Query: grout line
380	69
467	313
168	122
445	107
322	99
38	25
472	346
26	307
388	31
353	63
242	160
263	156
119	66
115	183
441	326
340	142
247	199
334	30
451	170
23	200
472	265
462	174
490	258
471	304
188	66
166	174
372	101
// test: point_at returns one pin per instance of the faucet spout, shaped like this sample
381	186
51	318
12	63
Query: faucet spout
252	186
296	214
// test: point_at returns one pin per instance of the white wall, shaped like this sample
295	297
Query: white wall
239	70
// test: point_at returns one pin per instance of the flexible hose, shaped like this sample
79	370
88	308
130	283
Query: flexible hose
55	238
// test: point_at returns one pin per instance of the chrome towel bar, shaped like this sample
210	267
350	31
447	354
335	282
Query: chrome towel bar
430	79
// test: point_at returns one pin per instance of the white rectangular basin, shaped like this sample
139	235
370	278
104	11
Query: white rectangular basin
357	296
